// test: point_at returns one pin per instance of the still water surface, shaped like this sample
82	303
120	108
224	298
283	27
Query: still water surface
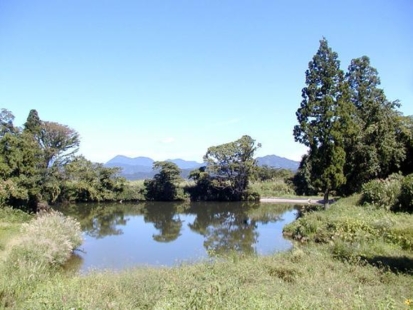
118	236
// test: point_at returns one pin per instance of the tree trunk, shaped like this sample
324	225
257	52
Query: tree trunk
326	201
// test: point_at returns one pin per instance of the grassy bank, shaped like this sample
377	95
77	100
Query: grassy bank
302	279
348	257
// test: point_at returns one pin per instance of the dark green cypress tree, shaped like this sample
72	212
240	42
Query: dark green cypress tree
325	120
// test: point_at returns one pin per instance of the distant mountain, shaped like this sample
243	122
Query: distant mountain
139	168
278	162
185	164
137	161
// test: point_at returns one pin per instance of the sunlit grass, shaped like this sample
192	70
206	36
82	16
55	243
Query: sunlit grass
272	188
305	278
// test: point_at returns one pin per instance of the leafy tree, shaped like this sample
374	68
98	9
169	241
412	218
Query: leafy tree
163	186
87	181
57	141
376	150
6	122
405	134
226	176
37	164
324	120
203	190
20	172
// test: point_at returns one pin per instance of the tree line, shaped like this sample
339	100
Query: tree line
39	166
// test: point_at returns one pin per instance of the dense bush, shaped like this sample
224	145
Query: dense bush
164	185
383	193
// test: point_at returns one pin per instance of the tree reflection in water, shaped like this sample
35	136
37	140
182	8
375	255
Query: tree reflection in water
100	220
225	226
165	219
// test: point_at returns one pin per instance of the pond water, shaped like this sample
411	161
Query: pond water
118	236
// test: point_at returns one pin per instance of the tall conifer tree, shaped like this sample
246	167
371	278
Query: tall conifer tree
325	120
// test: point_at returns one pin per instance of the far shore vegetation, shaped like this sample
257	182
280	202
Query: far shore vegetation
356	253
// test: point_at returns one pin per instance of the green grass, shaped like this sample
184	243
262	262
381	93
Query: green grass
274	188
308	278
365	232
10	223
348	257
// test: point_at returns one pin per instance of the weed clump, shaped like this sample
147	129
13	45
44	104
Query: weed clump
46	240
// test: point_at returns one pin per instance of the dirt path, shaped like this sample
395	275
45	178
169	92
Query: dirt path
294	200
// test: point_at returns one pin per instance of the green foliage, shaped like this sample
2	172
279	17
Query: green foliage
10	222
132	191
406	194
272	182
356	231
382	193
302	179
59	143
164	185
37	164
354	133
20	171
85	181
377	149
324	120
266	173
274	188
6	122
405	134
227	174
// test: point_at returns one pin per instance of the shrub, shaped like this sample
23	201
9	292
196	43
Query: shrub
47	240
406	193
250	195
382	193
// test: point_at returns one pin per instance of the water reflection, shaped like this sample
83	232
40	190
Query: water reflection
226	227
165	219
161	233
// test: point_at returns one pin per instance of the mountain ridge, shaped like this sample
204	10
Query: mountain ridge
140	167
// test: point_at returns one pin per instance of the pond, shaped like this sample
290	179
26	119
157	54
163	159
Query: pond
118	236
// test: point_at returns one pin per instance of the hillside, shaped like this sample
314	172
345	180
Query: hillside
139	168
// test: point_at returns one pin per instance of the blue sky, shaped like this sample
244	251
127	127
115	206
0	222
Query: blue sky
168	79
